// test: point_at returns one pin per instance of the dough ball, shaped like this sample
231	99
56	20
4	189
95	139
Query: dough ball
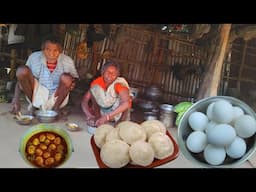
161	144
115	153
101	133
153	126
141	153
131	132
113	134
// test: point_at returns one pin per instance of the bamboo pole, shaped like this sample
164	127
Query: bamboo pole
13	64
17	60
210	83
225	30
242	66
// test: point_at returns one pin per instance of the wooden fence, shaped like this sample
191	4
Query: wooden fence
168	60
174	64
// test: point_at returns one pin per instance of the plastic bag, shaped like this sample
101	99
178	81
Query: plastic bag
183	106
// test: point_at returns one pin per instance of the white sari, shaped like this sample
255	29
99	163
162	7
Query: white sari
108	100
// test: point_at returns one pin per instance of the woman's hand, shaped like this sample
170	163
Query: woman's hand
90	121
102	120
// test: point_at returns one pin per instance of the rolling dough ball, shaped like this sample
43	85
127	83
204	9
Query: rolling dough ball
152	126
130	132
113	134
161	144
115	153
101	133
141	153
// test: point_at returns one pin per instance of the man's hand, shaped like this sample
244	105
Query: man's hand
73	84
15	105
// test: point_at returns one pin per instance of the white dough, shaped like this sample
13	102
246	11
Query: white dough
115	153
130	132
161	144
141	153
113	134
152	126
101	133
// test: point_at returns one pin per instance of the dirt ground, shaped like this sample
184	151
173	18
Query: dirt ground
83	156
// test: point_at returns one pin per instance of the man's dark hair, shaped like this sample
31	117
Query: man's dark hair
52	39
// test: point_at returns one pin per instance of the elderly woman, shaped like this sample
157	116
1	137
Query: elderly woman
108	99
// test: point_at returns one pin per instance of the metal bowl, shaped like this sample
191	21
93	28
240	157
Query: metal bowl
25	119
184	130
72	127
44	128
46	116
91	126
91	129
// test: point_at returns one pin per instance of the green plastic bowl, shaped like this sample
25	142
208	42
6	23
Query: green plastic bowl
45	128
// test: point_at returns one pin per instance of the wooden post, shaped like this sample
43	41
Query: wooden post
12	64
217	70
211	80
242	66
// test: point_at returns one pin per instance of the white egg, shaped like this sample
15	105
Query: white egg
222	111
237	111
237	148
214	155
210	125
196	141
245	126
198	121
209	111
222	135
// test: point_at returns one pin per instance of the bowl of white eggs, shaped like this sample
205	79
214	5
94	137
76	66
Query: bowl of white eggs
218	132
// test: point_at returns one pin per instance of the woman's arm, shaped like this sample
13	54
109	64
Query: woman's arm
124	105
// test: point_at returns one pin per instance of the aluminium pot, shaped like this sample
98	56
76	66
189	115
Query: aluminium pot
154	93
167	115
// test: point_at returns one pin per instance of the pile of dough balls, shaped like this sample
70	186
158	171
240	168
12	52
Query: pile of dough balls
220	132
130	142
